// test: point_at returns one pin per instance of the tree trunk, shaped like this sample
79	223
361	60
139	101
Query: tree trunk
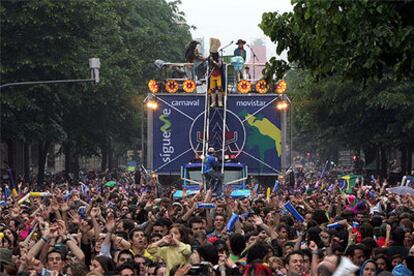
104	159
67	150
76	168
370	153
404	155
43	149
110	158
109	153
26	152
409	159
377	161
10	153
384	164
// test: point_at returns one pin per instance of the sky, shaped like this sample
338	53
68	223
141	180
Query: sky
230	20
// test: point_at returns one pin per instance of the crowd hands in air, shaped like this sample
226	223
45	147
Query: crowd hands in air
136	227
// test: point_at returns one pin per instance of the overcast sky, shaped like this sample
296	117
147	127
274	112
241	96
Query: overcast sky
230	20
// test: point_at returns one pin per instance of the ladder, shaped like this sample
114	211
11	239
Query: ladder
206	125
207	118
224	128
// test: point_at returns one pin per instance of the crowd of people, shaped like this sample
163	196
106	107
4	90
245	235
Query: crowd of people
124	226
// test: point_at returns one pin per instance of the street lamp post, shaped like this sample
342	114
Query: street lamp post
291	134
94	66
283	105
150	145
284	143
151	104
143	157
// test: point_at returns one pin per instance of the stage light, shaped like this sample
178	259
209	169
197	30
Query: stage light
281	87
244	86
262	87
152	104
153	86
282	105
189	86
171	86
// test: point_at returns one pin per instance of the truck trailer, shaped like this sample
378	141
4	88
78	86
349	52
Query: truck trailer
246	132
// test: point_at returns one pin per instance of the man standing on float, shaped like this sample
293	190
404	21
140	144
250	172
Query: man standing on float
216	74
212	176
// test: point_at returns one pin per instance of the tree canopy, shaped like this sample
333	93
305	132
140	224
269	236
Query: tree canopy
353	70
52	40
353	39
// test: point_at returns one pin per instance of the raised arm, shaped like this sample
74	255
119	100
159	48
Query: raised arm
44	227
315	258
95	213
110	227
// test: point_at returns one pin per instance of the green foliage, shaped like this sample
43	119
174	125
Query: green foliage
50	40
346	114
353	87
358	40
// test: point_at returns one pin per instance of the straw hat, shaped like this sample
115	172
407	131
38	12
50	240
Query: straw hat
214	45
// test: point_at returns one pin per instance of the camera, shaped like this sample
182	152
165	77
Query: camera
202	269
52	217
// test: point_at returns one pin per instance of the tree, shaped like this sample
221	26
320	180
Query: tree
42	40
356	40
147	30
331	113
358	62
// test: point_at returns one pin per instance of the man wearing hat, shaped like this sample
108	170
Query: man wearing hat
240	51
216	74
213	177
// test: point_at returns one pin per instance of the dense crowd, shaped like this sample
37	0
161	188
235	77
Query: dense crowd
126	226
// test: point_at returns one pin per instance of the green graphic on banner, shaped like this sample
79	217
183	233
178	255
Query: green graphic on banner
266	129
251	132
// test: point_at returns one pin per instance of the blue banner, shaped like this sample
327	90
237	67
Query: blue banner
252	132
